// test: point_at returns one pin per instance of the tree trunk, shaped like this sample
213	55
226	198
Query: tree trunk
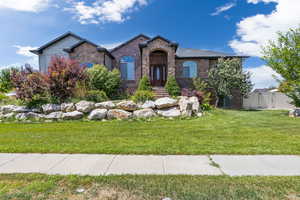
217	101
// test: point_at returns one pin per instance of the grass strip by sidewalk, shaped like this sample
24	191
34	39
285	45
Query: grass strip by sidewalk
32	186
220	132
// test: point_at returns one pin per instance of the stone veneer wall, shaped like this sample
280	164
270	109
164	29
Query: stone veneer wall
87	53
130	49
162	45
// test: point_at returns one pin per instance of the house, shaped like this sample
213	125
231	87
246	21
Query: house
155	57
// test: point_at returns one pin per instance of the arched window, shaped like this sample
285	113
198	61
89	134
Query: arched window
127	68
189	69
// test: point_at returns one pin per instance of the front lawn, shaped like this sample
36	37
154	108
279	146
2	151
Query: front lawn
27	187
221	132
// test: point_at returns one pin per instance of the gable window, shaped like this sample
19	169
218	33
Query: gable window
127	64
189	69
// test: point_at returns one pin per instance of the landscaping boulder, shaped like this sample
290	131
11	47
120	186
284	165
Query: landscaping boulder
68	107
295	112
148	104
199	114
72	115
7	116
186	106
85	106
49	108
7	109
98	114
127	105
29	115
165	102
196	104
171	112
105	105
144	113
118	114
55	115
21	109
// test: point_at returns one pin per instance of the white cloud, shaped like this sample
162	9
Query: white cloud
32	59
223	8
254	32
111	45
263	76
24	5
101	11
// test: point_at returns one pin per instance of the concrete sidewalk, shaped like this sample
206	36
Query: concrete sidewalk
91	164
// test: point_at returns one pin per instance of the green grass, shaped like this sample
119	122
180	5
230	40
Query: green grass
33	186
220	132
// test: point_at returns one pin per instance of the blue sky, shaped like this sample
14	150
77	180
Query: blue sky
238	26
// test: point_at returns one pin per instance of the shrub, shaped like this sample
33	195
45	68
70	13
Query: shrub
144	84
100	78
63	76
96	96
142	96
30	86
172	86
206	107
2	97
5	80
80	90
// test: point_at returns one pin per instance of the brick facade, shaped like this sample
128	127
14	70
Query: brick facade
88	53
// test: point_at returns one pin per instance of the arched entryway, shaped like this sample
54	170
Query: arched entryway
158	68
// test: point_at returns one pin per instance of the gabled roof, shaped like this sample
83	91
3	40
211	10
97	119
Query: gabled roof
144	44
78	44
99	48
198	53
40	50
132	39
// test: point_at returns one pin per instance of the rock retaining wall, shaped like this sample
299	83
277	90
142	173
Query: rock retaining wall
164	107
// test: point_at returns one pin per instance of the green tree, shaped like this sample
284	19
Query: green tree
283	56
5	80
101	78
172	86
228	76
144	84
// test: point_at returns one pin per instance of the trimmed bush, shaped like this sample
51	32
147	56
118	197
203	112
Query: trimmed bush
96	96
100	78
144	84
172	86
63	76
142	96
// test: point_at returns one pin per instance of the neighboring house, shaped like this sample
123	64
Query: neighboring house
155	57
267	99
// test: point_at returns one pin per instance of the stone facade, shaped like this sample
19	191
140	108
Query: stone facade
88	53
162	45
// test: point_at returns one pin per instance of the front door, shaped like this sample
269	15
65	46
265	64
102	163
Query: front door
158	74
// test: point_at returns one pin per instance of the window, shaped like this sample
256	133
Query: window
189	69
88	65
127	68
